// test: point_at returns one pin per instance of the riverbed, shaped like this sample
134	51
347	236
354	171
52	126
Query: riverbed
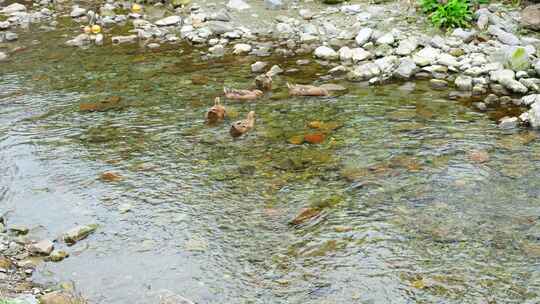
408	211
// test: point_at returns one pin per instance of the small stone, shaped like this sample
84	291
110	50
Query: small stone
387	38
502	36
241	48
426	56
326	53
99	39
274	4
44	247
407	46
482	21
491	99
406	68
79	233
363	36
530	99
359	54
530	17
4	25
479	156
464	83
274	70
306	14
13	8
237	5
5	263
59	297
58	255
77	12
480	106
168	21
508	122
438	84
534	115
124	39
3	56
258	66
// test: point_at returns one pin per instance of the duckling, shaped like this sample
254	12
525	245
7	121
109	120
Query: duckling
216	113
242	94
239	128
264	82
306	90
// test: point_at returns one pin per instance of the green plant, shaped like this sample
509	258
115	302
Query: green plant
429	6
455	13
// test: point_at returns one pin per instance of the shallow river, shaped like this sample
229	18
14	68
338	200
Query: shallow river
409	215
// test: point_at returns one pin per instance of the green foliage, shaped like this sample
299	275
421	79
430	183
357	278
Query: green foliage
454	13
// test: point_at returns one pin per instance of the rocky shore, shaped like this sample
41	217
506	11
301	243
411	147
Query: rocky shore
490	62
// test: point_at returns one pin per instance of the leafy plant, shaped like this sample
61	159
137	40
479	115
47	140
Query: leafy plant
454	13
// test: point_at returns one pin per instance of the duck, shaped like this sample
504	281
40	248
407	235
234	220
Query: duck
242	94
241	127
263	82
306	90
216	113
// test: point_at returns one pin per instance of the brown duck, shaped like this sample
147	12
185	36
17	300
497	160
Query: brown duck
242	94
216	113
241	127
306	90
263	82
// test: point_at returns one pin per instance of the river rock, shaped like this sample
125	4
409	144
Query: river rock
530	99
518	59
502	75
274	70
503	36
44	247
345	54
3	56
464	35
77	12
99	39
464	83
406	68
530	17
534	115
306	14
482	21
426	56
387	64
508	122
59	297
13	8
124	39
237	5
363	36
407	46
219	27
364	72
274	4
387	38
4	25
359	54
58	255
326	53
530	84
438	84
217	50
258	66
241	48
79	233
168	21
10	36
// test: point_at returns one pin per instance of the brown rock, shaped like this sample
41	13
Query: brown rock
59	297
479	156
5	263
530	17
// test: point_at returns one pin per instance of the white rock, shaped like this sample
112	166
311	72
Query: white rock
13	8
237	5
426	56
530	99
387	38
42	247
482	21
4	25
464	83
274	70
364	72
77	12
306	14
241	48
363	36
406	68
503	36
326	53
99	39
508	122
258	66
3	56
168	21
359	54
218	50
80	40
463	34
345	54
407	46
351	9
524	117
534	115
387	64
514	86
502	75
448	60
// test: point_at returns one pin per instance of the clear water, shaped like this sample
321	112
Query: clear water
407	216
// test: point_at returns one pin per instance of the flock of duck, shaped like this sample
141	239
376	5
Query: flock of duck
217	113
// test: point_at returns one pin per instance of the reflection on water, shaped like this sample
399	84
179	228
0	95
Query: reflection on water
407	213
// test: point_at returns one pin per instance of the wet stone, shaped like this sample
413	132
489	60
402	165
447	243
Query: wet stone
79	233
508	122
43	247
58	255
438	84
18	229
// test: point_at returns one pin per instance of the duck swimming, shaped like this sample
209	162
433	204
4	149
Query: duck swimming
216	113
306	90
242	94
241	127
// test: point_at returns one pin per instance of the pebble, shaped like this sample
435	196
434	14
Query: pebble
44	247
79	233
241	48
258	66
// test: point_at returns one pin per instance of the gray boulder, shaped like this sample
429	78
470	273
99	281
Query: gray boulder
503	36
406	68
363	36
530	17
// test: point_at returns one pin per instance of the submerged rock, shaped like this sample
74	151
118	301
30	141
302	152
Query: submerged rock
534	115
44	247
508	122
58	255
79	233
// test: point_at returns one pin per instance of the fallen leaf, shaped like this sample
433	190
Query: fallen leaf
314	138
